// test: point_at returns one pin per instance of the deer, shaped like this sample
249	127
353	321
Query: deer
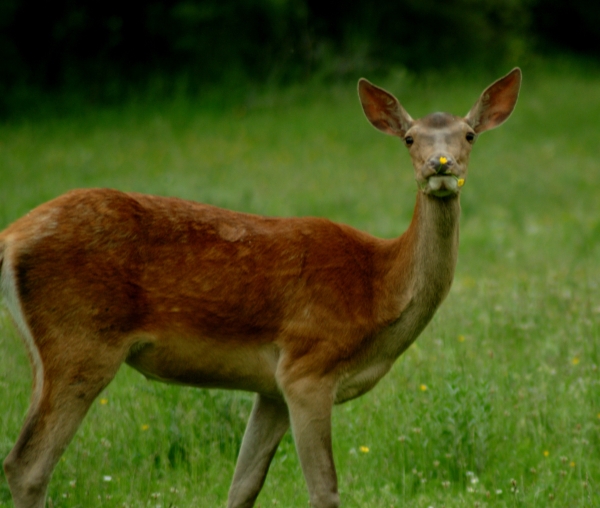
304	312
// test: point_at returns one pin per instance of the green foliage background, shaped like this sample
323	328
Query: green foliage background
105	51
498	402
252	106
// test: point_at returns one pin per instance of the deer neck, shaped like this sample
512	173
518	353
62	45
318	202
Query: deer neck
434	231
422	262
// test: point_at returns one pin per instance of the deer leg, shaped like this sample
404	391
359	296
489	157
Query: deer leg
55	413
310	404
268	423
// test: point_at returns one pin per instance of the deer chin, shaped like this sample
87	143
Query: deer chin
441	186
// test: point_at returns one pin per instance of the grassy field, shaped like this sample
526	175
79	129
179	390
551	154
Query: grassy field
498	402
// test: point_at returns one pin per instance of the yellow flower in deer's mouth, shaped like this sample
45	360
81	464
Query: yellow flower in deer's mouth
443	160
460	182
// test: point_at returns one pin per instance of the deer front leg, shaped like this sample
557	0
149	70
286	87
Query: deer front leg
310	403
268	423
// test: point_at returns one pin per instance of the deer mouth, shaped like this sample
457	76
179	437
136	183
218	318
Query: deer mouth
442	185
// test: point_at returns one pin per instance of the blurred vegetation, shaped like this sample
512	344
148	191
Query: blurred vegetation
102	51
496	405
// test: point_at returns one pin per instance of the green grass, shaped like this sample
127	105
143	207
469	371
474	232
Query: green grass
498	402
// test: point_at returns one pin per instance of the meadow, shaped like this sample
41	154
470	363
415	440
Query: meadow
497	404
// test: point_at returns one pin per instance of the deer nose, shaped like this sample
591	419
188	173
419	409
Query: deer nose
441	164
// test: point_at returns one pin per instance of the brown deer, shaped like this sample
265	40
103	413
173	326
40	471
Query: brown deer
305	312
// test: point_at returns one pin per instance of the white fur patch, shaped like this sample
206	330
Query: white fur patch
9	290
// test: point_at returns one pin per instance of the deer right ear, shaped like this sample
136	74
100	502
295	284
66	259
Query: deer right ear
383	110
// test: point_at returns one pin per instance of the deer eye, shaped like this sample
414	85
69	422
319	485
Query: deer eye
470	137
409	140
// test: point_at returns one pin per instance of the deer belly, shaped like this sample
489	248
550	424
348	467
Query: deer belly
208	364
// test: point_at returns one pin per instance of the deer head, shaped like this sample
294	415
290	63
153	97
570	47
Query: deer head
440	143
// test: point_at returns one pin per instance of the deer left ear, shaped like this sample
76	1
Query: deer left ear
383	110
496	103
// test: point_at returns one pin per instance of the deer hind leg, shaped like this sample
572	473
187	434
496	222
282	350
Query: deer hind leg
69	371
63	392
268	423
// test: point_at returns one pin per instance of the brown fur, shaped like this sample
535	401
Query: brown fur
303	311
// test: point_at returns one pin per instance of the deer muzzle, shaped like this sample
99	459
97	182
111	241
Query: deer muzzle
439	176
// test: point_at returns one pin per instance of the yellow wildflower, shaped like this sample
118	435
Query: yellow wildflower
145	427
443	160
575	360
423	388
572	464
461	338
364	449
546	453
461	182
104	402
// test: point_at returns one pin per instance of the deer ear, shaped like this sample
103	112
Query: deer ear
496	103
383	109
